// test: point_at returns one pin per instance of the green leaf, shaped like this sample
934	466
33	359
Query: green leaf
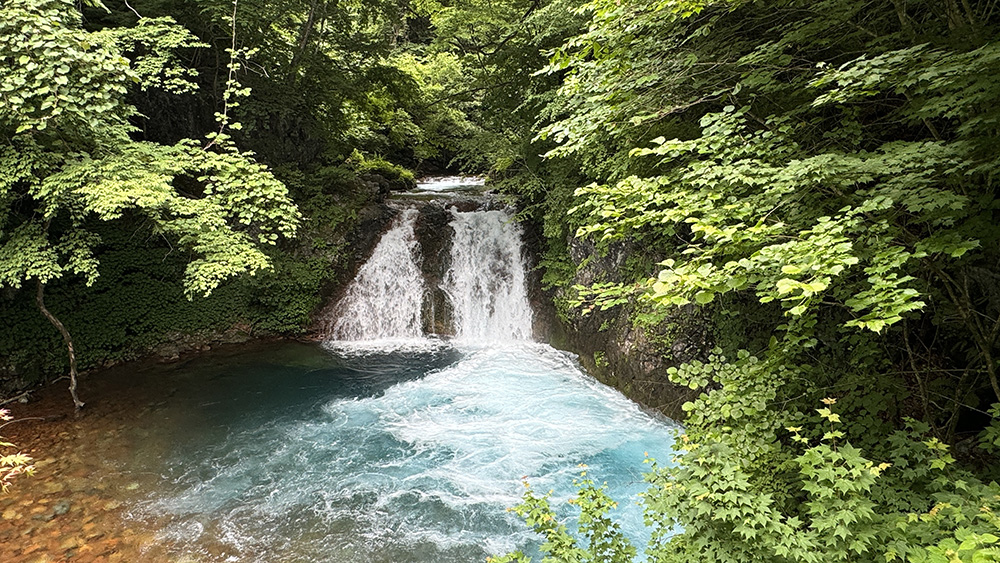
704	297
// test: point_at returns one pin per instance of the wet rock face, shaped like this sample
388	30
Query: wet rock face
630	357
634	359
546	324
373	220
360	242
384	184
434	235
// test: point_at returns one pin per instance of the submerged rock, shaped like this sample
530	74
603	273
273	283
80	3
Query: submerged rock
61	507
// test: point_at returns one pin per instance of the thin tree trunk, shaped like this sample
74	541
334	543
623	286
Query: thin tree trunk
304	33
953	15
984	340
904	19
921	384
40	298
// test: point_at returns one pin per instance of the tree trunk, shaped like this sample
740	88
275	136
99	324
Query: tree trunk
40	297
303	39
904	19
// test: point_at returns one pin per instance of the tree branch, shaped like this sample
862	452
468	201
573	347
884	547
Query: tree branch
40	298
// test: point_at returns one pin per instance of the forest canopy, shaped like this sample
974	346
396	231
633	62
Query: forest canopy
820	179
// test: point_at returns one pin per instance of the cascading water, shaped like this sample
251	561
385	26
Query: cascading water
486	282
384	300
377	452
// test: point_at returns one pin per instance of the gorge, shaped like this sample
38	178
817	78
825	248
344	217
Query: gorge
383	442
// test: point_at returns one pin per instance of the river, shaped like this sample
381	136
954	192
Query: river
379	444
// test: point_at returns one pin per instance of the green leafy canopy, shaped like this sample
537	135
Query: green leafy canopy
69	158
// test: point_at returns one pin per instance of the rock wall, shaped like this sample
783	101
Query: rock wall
628	354
434	235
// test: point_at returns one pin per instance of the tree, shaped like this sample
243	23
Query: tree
68	158
322	80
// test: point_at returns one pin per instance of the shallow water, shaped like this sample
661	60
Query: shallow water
409	453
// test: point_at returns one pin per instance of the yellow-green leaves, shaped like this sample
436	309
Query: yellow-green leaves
153	46
821	178
56	74
599	539
12	465
25	253
829	415
67	156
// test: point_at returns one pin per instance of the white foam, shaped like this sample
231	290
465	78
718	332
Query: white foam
423	471
379	346
447	183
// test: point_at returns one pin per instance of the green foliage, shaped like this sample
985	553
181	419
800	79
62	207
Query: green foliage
846	507
600	359
843	507
483	57
71	166
11	465
283	301
70	158
821	179
138	305
56	73
395	174
438	123
775	191
600	538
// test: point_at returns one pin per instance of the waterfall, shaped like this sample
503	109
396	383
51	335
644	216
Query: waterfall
486	283
384	300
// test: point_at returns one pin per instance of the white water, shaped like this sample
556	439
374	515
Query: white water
486	282
446	187
485	285
383	301
447	183
421	471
